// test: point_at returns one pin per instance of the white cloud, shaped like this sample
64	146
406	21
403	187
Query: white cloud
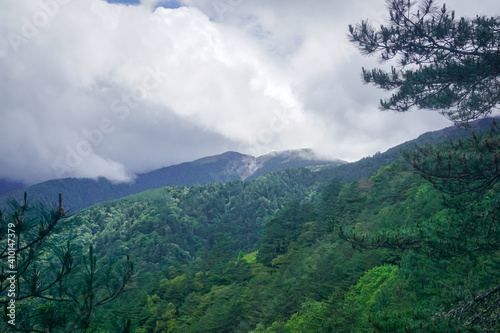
133	69
144	88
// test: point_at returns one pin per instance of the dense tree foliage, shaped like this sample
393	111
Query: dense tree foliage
42	286
466	173
419	236
304	278
265	255
307	279
452	66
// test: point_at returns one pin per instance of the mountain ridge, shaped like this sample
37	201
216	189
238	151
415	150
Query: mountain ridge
80	193
369	165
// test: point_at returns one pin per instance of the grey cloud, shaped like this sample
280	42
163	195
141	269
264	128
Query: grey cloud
254	76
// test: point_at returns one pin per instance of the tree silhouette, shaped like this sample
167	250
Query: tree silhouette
41	289
444	63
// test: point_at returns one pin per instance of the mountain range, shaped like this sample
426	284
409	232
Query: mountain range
79	193
259	250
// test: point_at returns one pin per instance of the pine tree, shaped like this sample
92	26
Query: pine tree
445	63
24	234
452	66
41	290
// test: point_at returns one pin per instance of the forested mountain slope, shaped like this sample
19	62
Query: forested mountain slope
280	253
305	278
290	251
177	234
171	224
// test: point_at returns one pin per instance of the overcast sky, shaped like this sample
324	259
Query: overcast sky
91	88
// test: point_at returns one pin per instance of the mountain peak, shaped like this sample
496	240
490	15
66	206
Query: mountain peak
228	166
228	155
297	154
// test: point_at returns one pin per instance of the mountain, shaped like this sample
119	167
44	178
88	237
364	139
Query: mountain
303	158
7	185
367	166
79	193
264	254
270	254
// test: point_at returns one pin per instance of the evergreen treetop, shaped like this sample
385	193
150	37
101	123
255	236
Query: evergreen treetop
447	64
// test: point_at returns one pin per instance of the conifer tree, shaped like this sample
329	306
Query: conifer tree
24	232
41	289
453	66
444	63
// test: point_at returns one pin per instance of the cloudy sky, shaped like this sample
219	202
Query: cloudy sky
93	88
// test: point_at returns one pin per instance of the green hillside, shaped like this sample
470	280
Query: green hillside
170	225
403	241
290	251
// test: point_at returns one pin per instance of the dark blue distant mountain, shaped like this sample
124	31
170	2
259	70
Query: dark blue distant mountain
7	185
368	165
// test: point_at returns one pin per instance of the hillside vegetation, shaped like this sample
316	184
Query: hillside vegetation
404	241
290	251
